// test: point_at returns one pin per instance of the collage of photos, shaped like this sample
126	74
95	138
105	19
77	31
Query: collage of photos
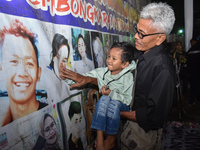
33	96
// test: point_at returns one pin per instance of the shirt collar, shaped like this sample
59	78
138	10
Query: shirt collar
151	53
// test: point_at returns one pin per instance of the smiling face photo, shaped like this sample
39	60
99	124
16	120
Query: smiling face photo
50	130
20	68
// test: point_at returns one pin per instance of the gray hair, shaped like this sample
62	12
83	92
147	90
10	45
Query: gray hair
161	14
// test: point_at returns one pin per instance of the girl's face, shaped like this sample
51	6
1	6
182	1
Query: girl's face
81	47
50	131
114	61
62	56
99	53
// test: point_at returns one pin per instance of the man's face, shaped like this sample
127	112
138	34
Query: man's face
179	46
144	26
193	42
20	68
81	47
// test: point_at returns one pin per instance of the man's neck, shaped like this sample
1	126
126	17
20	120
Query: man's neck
21	110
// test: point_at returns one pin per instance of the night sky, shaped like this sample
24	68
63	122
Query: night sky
178	6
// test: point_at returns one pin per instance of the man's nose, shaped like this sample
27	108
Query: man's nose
136	35
21	69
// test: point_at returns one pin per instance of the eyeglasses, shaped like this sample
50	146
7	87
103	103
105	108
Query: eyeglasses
140	35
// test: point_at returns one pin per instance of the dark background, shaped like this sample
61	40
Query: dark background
178	6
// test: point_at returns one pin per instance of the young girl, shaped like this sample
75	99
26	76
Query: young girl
116	84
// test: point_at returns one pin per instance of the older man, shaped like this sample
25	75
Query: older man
155	79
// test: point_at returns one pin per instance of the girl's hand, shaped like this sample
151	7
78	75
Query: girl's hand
78	78
105	90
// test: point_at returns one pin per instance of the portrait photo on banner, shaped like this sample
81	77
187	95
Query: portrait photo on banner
97	48
60	51
38	130
82	56
22	87
71	112
106	43
49	130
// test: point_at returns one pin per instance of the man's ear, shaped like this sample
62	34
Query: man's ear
39	73
124	65
161	39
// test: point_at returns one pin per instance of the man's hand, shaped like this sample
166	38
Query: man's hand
130	115
78	78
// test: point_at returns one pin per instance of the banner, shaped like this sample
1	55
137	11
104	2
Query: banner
38	110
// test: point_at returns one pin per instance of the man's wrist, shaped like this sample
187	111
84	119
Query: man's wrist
91	80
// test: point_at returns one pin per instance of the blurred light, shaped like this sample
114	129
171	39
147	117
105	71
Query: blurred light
180	31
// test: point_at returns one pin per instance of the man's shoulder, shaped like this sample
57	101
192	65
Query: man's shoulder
162	56
42	105
160	61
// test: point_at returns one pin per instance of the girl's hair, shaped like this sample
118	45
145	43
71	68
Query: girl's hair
127	51
58	41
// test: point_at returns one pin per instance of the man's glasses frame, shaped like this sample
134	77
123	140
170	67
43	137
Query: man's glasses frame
140	35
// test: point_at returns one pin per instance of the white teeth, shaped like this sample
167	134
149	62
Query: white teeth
22	84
